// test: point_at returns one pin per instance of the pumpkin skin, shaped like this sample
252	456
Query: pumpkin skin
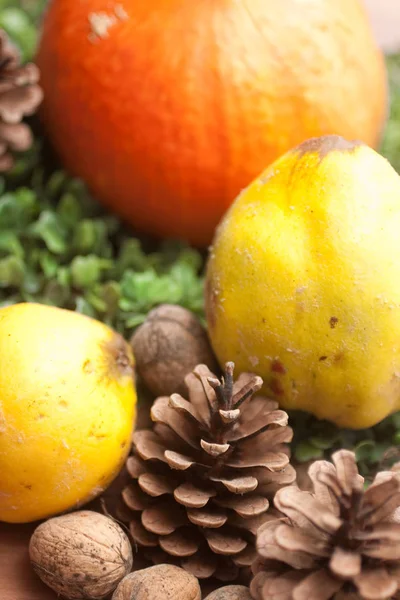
167	109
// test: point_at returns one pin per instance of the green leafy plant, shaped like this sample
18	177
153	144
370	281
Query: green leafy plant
20	19
318	439
58	247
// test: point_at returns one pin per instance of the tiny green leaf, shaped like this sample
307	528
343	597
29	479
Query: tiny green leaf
87	270
304	451
51	230
12	271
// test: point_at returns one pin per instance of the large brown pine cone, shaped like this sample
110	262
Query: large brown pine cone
20	95
339	541
202	477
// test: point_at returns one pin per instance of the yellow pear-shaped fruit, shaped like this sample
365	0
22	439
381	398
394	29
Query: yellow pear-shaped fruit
67	408
303	282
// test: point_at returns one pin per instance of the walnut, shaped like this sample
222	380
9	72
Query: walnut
169	344
82	555
230	592
162	582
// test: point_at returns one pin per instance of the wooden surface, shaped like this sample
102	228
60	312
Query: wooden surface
17	580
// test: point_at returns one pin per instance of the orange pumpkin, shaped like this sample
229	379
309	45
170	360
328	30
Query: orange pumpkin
168	108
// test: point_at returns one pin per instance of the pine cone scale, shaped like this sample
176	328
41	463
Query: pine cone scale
225	543
135	467
294	540
376	584
17	137
388	532
270	484
178	461
186	429
252	524
308	510
237	485
191	496
247	387
347	473
148	446
383	551
142	536
258	424
134	498
212	519
214	450
184	407
319	584
155	485
273	461
19	102
163	518
201	394
180	544
243	506
202	568
246	557
375	510
271	438
326	488
268	548
345	563
274	586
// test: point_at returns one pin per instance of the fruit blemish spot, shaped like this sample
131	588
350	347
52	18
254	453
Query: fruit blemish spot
333	321
325	144
101	22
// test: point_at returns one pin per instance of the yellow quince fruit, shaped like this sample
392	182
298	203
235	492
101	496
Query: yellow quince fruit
67	407
303	282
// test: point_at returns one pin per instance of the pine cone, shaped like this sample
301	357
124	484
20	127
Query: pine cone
203	475
338	542
20	95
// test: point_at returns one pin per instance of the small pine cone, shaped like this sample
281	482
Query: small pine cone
338	541
202	476
20	95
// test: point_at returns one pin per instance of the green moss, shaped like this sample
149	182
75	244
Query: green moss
57	246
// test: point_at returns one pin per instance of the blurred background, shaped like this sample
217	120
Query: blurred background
385	16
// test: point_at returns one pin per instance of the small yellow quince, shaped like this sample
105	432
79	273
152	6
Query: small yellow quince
303	282
67	407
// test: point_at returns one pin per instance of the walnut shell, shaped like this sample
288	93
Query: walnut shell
169	344
230	592
162	582
82	555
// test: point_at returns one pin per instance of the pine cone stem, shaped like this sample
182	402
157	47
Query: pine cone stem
225	407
